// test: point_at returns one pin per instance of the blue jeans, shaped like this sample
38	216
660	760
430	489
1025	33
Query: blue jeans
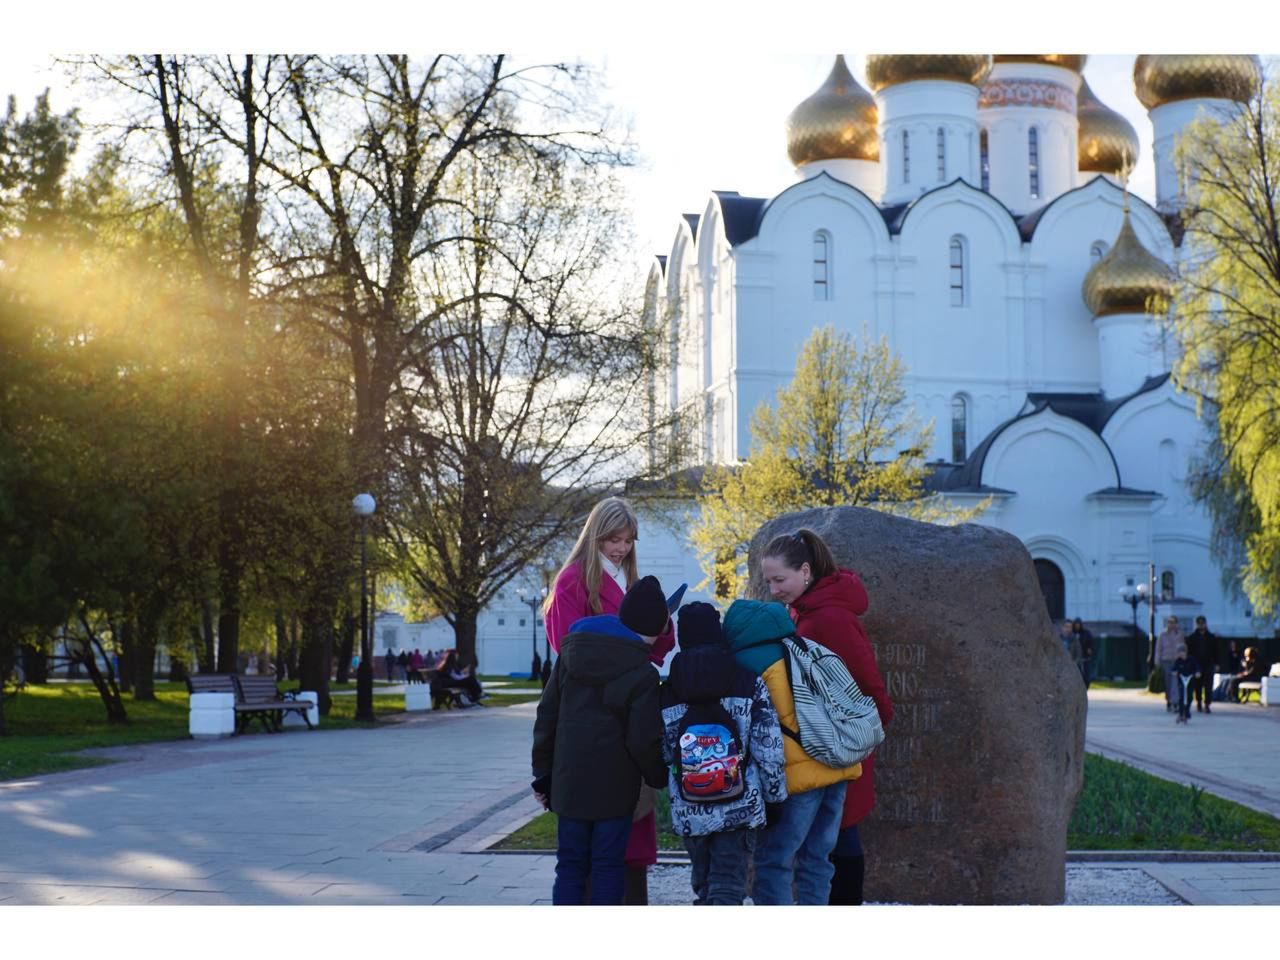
795	849
592	847
719	862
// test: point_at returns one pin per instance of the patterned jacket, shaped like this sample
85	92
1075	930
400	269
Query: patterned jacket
710	673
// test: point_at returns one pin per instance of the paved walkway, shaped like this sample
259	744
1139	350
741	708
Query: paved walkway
402	814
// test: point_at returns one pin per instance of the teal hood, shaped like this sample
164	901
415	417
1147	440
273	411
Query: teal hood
754	630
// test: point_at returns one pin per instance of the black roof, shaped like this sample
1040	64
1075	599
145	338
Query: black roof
692	220
741	215
1092	410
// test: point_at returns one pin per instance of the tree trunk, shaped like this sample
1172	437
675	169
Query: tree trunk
282	646
105	683
35	663
464	634
126	636
144	657
205	645
347	646
315	657
295	648
229	637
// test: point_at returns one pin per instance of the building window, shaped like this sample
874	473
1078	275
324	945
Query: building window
957	272
906	157
1097	251
985	160
942	154
821	266
959	428
1033	159
522	621
502	622
1167	591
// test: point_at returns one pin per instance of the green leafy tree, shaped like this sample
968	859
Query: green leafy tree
840	434
1227	317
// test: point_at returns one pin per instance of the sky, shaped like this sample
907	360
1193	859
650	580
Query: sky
706	90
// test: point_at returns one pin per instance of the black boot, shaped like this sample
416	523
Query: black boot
846	885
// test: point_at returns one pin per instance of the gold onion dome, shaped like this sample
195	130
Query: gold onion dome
1072	61
1128	278
1161	78
888	69
1107	141
838	121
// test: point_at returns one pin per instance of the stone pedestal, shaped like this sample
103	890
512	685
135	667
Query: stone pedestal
983	761
213	716
417	696
294	719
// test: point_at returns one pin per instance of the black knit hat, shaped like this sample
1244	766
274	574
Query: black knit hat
699	626
644	608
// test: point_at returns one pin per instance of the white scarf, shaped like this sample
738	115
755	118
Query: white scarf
614	571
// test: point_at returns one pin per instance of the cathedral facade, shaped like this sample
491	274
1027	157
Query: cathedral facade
971	209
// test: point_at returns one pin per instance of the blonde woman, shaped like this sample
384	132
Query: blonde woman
600	568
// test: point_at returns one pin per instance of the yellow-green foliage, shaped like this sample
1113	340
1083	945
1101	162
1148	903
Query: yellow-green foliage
818	446
1227	317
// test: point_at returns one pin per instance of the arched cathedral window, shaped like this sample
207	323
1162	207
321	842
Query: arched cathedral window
957	272
1167	585
822	265
906	157
984	158
1033	160
942	154
959	428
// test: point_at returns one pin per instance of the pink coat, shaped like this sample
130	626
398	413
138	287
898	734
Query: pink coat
569	604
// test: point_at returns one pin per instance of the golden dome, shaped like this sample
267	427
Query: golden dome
1127	278
1161	78
1107	141
1072	61
887	69
838	121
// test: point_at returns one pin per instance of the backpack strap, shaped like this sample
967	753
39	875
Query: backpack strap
791	685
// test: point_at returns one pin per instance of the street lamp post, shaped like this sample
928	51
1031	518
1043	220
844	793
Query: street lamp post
1134	596
534	602
364	505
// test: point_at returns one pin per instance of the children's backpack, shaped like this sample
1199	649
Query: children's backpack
710	764
839	724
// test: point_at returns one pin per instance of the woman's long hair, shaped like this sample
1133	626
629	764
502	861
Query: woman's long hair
803	546
606	518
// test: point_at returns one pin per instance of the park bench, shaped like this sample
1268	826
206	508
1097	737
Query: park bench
1267	689
255	697
444	694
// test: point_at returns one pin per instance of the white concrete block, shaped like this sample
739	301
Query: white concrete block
1271	691
294	719
213	715
417	696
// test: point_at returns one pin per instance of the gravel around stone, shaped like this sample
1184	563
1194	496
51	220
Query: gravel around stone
1086	886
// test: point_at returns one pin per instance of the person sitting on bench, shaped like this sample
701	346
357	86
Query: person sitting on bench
452	676
1251	671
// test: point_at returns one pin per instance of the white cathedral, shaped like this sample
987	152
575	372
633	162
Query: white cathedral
970	208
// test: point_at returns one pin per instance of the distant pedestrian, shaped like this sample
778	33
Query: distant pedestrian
1232	662
403	662
1166	653
416	663
1086	650
535	669
1181	677
1203	646
391	664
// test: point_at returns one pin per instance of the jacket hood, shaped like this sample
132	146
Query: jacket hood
839	589
706	673
600	649
752	622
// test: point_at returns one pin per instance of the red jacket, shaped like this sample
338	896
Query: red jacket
828	613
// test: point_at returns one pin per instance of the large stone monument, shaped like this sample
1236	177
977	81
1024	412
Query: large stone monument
982	764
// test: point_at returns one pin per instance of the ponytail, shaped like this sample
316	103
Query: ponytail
803	546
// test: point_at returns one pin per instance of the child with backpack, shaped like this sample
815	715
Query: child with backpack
724	748
598	733
1183	674
793	852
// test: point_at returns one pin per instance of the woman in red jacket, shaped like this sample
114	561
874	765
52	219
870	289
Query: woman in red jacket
600	568
826	602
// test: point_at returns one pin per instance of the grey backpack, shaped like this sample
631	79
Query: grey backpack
839	724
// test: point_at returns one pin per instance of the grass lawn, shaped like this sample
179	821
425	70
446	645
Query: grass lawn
47	723
1120	808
